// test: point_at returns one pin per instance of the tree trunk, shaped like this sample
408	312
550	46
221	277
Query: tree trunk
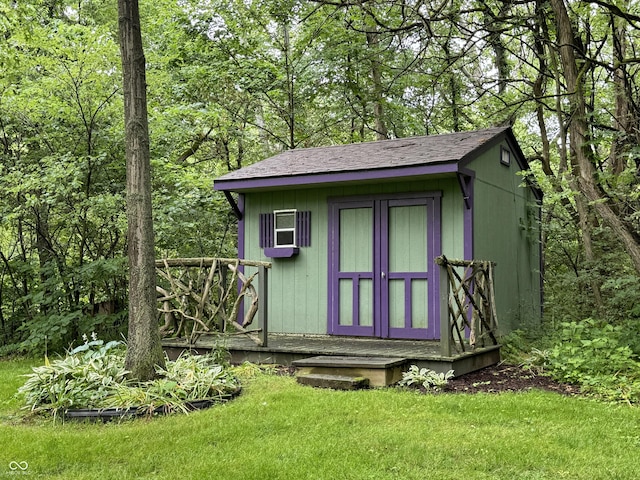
585	217
621	120
376	77
579	137
288	66
144	350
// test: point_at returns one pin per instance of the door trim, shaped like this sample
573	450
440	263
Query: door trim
380	328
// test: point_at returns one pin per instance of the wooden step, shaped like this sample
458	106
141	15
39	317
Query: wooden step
380	371
336	382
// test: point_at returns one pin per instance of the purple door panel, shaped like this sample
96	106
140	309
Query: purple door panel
382	278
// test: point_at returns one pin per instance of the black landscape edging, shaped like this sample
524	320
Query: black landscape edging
108	414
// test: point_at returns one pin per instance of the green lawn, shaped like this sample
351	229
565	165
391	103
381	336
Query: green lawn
279	430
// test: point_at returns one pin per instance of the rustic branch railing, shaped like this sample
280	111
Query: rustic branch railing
467	304
204	295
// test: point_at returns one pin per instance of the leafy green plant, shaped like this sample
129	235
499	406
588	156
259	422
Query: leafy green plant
198	377
84	378
517	344
93	376
537	360
594	355
425	377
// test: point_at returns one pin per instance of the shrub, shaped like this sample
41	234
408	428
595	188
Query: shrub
594	355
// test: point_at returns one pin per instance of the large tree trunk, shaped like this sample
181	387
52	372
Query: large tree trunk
144	350
579	136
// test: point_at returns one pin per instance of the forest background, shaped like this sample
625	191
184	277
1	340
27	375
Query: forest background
231	82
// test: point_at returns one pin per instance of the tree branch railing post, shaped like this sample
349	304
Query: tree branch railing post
445	330
467	305
263	307
207	295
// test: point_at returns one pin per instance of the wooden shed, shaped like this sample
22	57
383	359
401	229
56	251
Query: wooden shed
353	231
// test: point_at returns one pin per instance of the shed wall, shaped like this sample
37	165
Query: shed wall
298	286
506	231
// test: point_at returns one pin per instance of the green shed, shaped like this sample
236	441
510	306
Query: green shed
353	231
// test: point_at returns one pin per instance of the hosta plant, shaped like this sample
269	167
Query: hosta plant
425	377
92	376
85	378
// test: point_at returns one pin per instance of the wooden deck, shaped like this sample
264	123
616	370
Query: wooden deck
284	349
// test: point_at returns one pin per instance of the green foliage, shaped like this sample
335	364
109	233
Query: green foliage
594	355
231	82
189	378
517	344
93	376
623	297
85	378
50	332
198	377
62	206
425	377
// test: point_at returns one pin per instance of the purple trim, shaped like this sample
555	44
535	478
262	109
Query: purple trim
466	182
241	227
408	303
241	251
350	200
281	252
408	275
407	278
265	230
380	274
333	228
381	254
435	250
355	329
303	228
335	275
314	179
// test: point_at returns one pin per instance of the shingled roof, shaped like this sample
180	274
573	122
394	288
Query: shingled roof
360	160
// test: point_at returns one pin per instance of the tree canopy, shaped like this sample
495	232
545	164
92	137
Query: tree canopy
230	82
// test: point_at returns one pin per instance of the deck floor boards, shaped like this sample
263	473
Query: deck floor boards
321	345
324	345
285	349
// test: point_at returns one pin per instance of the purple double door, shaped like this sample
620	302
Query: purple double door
382	278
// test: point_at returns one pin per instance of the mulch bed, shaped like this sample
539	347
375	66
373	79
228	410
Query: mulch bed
506	378
494	379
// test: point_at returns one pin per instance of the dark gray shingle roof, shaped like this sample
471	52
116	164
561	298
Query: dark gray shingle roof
397	153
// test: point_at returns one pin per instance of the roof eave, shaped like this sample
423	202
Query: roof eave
237	185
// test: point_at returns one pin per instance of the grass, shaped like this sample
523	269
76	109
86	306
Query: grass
278	429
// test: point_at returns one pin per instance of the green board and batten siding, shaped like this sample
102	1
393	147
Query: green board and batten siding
298	286
506	231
